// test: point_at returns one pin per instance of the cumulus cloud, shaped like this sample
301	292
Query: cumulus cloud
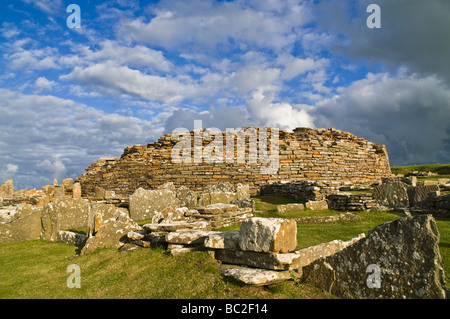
265	112
408	113
117	80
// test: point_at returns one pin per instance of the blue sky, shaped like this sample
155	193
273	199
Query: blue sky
138	69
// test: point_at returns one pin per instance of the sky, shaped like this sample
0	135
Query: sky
135	70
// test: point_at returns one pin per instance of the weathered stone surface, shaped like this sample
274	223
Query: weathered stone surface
419	194
71	238
257	259
271	235
328	219
76	190
170	214
24	225
186	197
145	203
177	226
404	251
188	237
113	233
7	188
290	208
244	203
62	214
253	276
206	199
242	191
99	212
287	261
392	194
223	240
317	205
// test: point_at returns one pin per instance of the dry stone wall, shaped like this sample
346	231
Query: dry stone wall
327	155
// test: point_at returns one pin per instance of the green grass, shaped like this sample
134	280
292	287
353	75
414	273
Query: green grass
37	269
441	169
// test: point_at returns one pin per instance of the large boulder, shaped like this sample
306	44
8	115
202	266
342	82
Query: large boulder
269	235
144	204
399	259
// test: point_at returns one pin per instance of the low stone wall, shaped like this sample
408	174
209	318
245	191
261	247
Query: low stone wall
351	202
301	191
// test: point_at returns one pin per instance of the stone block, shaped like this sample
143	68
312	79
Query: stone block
112	233
223	240
270	235
317	205
177	226
24	225
59	191
76	190
419	194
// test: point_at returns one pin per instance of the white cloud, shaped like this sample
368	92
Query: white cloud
43	83
265	112
117	80
47	6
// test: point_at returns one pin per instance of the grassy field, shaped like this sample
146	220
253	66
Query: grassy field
37	269
441	169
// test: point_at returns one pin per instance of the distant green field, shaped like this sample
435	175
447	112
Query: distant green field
441	169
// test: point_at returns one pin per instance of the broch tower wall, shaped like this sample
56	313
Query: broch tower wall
333	157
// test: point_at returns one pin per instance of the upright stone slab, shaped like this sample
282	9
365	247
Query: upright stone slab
145	203
8	188
59	191
270	235
421	193
76	190
397	260
392	194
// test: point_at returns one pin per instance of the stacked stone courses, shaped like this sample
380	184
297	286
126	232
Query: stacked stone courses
330	156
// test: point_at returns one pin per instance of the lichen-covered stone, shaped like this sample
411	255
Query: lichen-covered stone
270	235
399	259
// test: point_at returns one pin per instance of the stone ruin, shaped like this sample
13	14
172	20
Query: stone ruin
184	205
330	156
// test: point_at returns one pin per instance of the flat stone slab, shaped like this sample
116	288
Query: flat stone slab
177	226
254	276
188	237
